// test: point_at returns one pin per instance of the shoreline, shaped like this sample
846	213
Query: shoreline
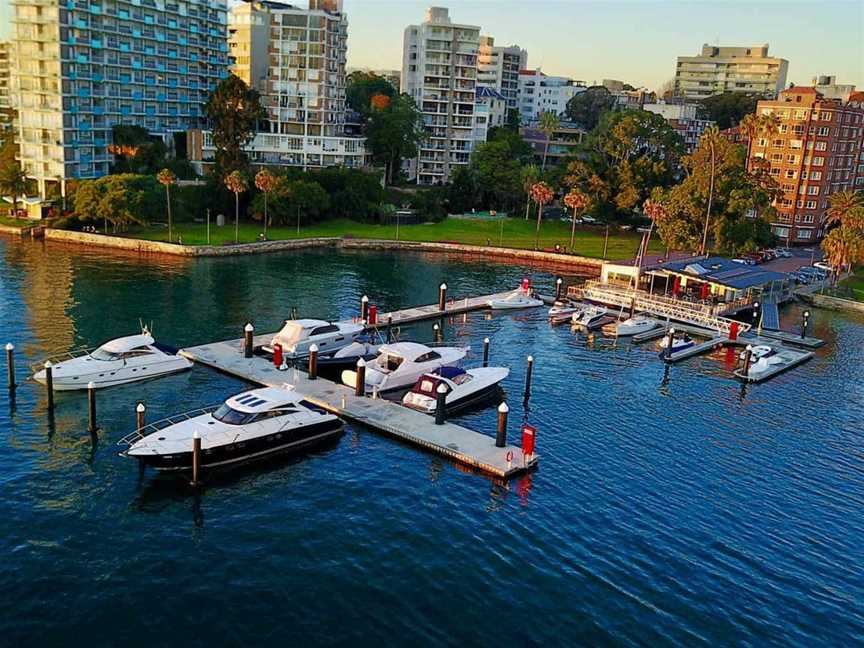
162	248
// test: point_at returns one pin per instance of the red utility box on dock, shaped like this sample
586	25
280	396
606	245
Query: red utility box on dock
529	434
373	314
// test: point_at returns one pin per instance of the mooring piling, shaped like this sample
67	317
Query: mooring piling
364	308
529	371
440	404
196	458
313	362
670	336
248	340
49	384
804	321
360	378
10	366
140	410
486	352
501	433
442	297
92	427
559	283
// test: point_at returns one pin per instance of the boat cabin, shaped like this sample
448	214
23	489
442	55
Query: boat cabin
124	348
427	385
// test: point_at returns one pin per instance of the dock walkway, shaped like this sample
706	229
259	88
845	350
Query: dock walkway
450	440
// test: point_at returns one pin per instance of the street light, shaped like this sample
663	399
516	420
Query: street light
804	319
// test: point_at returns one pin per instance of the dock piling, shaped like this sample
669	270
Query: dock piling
364	308
313	362
486	352
670	336
501	433
804	321
632	307
389	328
140	409
440	404
92	427
436	330
248	341
530	370
442	297
196	458
360	379
559	283
748	356
49	384
10	366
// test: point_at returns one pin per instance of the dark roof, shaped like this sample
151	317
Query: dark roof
724	271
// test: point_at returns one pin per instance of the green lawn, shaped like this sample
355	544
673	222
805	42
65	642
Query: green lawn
855	283
517	233
15	222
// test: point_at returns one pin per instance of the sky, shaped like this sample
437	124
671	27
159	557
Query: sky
635	41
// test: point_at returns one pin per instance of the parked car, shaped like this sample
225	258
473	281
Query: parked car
754	258
745	260
589	220
786	253
768	255
823	266
800	277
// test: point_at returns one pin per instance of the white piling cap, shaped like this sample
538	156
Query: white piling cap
749	347
671	330
91	385
806	314
486	340
361	362
443	286
530	358
559	280
313	348
10	346
503	409
364	298
195	435
248	328
442	389
435	327
47	364
140	408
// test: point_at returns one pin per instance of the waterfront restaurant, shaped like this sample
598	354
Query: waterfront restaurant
719	280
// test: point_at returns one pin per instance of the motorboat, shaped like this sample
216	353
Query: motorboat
297	336
250	425
635	326
764	365
680	342
400	364
757	352
589	318
347	357
563	311
117	362
517	299
464	388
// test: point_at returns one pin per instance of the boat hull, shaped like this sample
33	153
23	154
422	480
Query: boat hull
111	377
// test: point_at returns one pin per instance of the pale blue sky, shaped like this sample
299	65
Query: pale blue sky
632	40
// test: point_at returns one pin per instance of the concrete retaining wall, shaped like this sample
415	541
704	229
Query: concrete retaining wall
15	231
833	303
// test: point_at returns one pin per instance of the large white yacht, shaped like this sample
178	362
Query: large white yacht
297	336
400	364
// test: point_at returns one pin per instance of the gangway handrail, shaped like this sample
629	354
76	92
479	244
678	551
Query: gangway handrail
133	437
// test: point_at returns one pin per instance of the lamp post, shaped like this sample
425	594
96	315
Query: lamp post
804	321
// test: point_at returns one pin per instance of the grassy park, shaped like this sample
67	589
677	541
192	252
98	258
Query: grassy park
855	284
514	233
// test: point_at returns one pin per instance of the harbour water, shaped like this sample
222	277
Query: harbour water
672	504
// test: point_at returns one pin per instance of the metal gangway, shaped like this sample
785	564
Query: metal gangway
666	308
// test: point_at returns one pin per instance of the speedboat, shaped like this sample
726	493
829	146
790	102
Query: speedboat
758	352
124	360
464	388
563	311
762	366
347	357
400	364
250	425
298	335
517	299
680	342
635	326
589	318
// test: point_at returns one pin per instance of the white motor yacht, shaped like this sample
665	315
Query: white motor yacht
251	425
757	352
297	336
517	299
563	311
589	318
680	342
464	388
124	360
635	326
400	364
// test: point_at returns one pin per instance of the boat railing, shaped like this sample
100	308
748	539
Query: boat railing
134	437
78	352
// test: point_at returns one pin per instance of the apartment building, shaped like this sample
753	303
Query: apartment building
80	68
439	70
683	118
295	57
816	153
563	143
490	111
730	69
5	98
827	86
539	93
498	68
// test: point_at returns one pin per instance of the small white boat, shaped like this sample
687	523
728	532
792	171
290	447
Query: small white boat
297	336
757	352
589	317
635	326
464	387
251	425
563	312
680	342
763	366
400	364
517	299
124	360
347	357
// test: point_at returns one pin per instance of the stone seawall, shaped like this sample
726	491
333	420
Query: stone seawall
585	264
833	303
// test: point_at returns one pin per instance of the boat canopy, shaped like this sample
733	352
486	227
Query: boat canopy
449	372
295	330
262	400
407	350
125	344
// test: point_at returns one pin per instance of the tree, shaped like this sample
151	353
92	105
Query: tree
844	245
846	208
588	106
728	109
529	176
463	191
265	182
577	201
167	178
119	200
309	199
362	87
234	110
13	181
394	133
549	123
754	125
236	184
542	194
497	171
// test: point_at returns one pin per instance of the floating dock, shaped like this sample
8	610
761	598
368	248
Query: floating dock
458	443
785	358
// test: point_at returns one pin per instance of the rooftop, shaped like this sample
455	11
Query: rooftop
723	271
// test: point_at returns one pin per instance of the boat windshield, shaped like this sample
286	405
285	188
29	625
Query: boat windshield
231	416
389	362
292	332
102	354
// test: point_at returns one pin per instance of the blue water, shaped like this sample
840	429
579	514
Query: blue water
671	506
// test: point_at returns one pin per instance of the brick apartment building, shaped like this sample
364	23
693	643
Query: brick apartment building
817	152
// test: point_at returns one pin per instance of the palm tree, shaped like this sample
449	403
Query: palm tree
844	247
549	123
711	135
236	183
167	178
577	201
542	194
753	125
265	182
530	175
13	181
655	211
845	206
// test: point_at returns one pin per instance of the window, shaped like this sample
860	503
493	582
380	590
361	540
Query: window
792	159
782	128
815	175
800	114
804	234
823	131
808	218
777	143
428	357
825	116
795	143
818	161
813	191
791	173
821	146
321	330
